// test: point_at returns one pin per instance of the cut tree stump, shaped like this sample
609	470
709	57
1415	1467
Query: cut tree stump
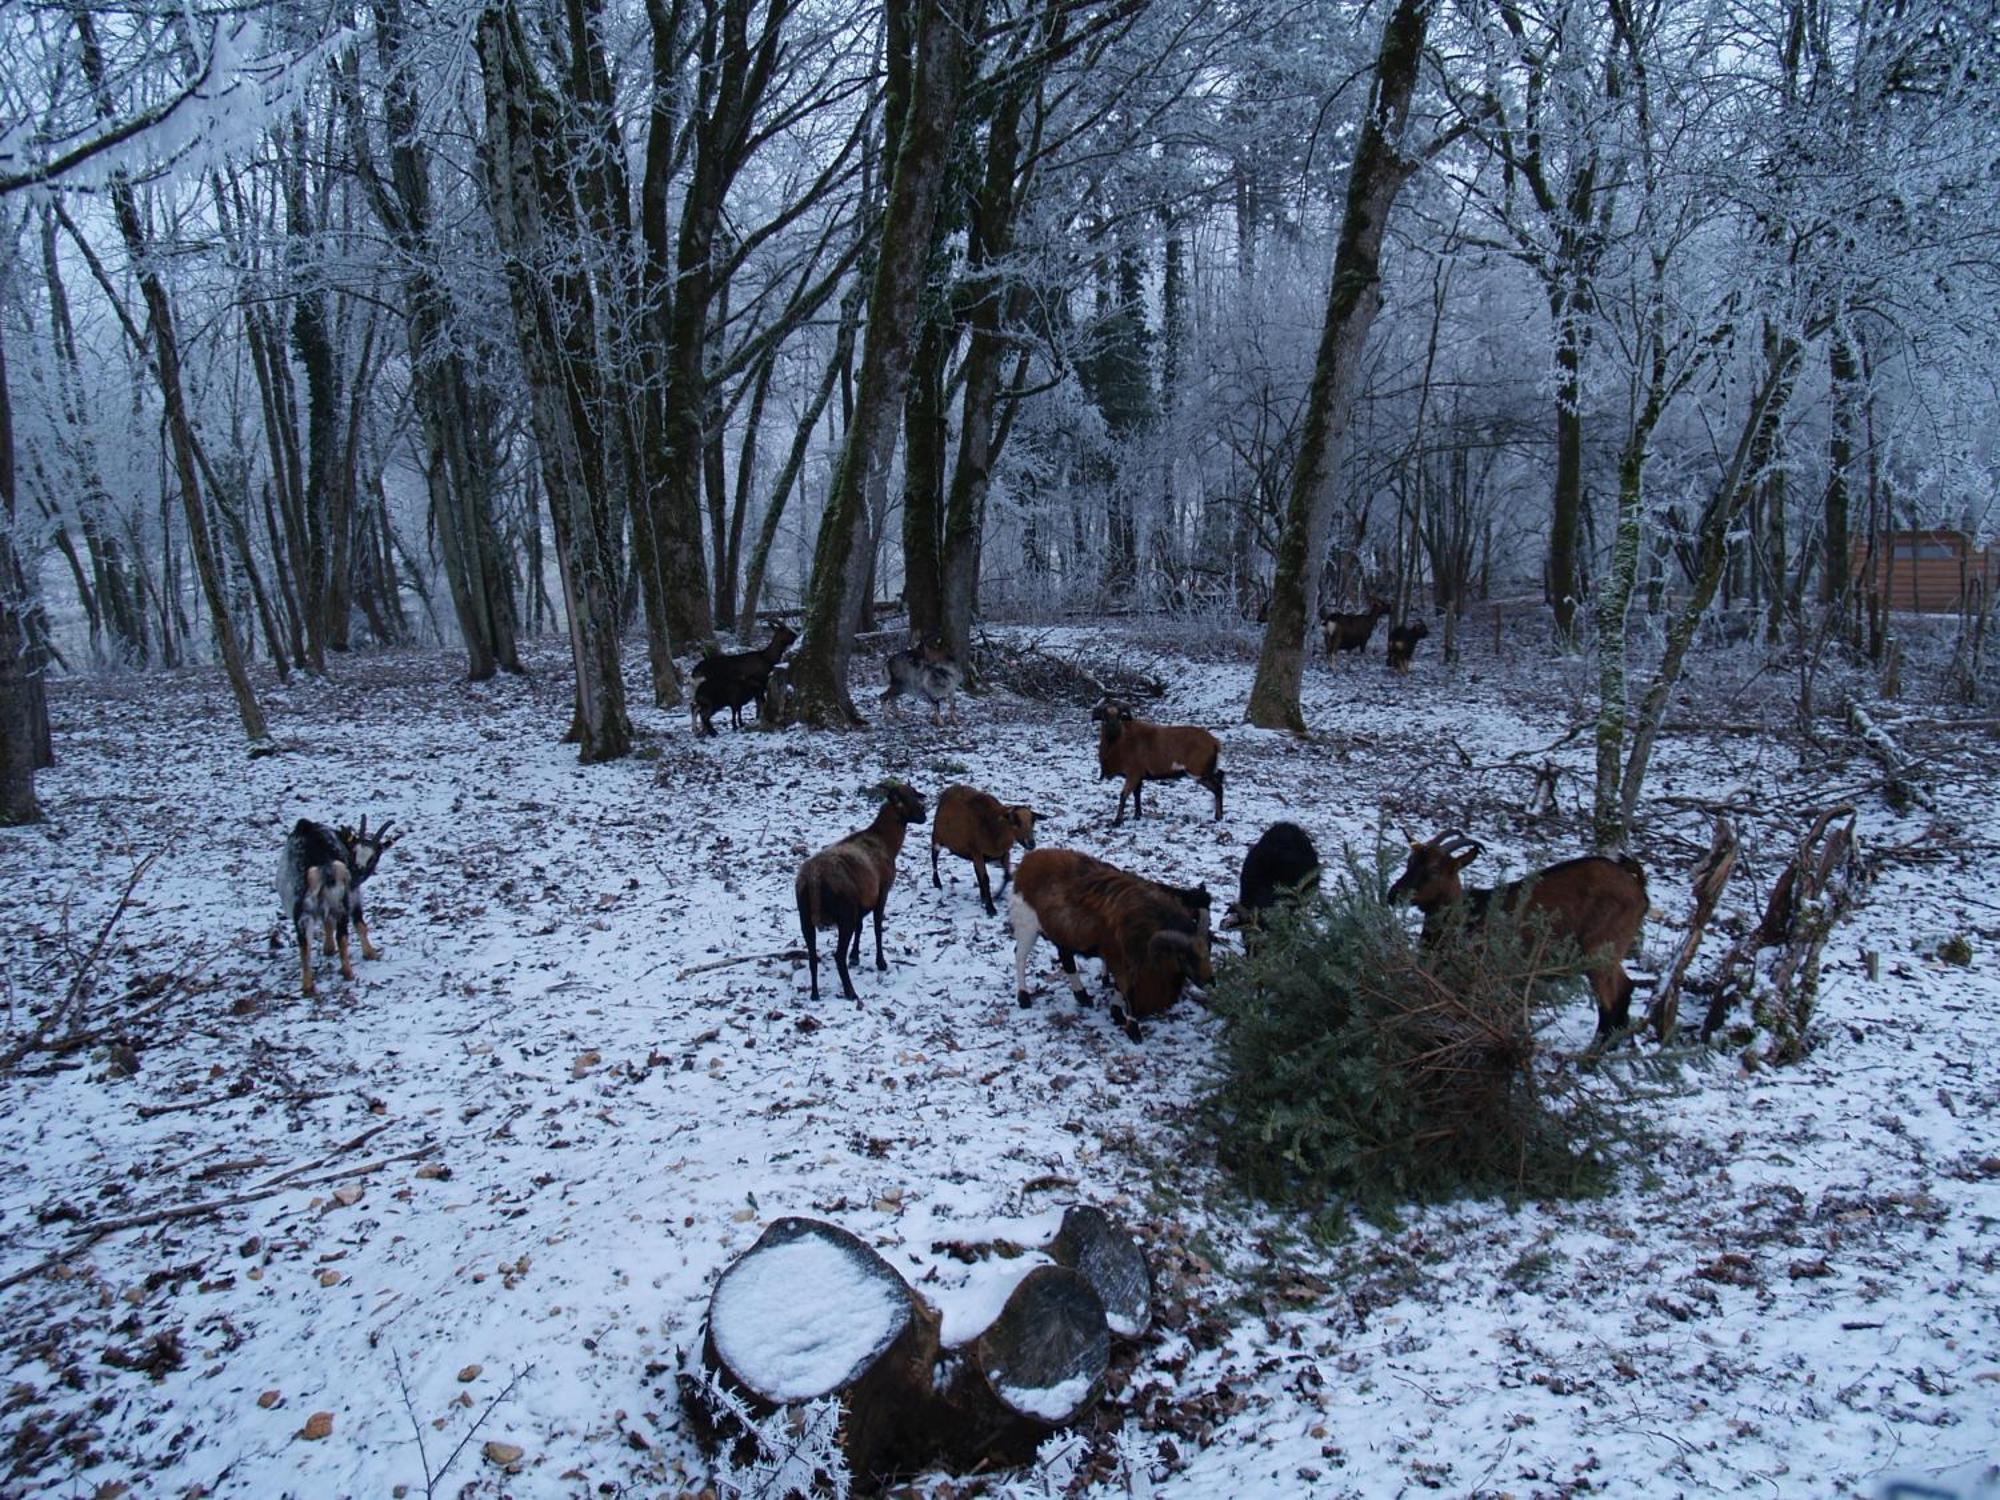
809	1312
1039	1367
1107	1257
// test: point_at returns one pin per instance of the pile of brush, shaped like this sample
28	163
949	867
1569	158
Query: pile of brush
1362	1067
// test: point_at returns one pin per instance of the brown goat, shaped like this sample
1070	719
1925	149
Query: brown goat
980	827
1140	751
1594	902
1351	631
1152	938
846	881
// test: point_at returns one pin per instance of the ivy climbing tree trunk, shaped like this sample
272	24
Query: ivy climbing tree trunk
943	60
1373	183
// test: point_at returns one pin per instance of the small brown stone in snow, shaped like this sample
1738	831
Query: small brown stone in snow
503	1455
469	1374
269	1399
318	1425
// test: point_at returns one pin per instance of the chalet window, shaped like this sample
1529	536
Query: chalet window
1926	552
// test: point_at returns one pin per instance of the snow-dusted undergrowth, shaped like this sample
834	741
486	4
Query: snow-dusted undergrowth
1796	1290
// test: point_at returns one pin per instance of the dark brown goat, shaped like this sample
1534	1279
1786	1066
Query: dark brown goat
1351	632
846	881
733	679
1594	902
979	827
1403	644
1152	938
1140	751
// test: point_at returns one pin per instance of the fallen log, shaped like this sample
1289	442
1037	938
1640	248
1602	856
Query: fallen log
1106	1256
810	1313
1039	1367
1900	786
817	1355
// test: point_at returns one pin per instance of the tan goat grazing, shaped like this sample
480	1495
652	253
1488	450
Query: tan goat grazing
1139	751
849	880
1152	938
977	826
1594	902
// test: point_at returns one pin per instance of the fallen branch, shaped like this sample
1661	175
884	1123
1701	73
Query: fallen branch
1901	788
1709	878
38	1039
786	955
90	1234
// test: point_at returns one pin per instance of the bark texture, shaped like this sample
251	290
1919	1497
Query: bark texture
840	560
1373	183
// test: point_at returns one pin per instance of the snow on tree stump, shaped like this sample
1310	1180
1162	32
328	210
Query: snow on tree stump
1039	1367
1106	1256
809	1312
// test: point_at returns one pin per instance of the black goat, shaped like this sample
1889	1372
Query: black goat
734	679
1281	864
1403	644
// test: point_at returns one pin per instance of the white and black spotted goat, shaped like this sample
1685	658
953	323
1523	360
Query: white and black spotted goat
320	876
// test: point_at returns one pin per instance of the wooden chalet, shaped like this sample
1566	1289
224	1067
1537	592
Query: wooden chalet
1930	571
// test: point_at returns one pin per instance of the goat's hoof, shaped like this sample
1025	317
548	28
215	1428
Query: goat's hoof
1021	998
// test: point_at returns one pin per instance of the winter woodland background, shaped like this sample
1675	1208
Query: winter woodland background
348	354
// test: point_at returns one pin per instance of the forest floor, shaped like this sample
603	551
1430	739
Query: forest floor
480	1194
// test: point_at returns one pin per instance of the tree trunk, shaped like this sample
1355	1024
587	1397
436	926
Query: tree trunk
1565	582
1377	176
774	508
923	482
1836	566
180	429
943	61
1754	446
18	728
555	321
458	477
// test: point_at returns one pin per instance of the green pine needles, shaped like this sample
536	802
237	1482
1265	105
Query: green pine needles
1359	1066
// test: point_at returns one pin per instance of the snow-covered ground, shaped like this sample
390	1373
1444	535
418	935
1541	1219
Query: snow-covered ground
481	1194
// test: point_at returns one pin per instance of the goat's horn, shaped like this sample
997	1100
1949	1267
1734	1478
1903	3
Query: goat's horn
1451	838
